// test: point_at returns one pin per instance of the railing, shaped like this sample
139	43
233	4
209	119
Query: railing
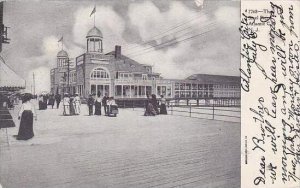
231	114
133	81
207	112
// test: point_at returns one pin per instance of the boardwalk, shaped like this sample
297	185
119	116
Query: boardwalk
128	151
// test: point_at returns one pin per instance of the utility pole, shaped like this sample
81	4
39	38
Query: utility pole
33	77
68	75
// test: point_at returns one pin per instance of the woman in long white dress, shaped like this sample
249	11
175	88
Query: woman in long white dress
66	103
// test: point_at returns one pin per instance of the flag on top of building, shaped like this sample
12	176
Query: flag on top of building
93	11
61	39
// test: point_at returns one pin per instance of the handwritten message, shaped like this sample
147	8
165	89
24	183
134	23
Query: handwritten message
270	82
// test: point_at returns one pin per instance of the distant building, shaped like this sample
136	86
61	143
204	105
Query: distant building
116	75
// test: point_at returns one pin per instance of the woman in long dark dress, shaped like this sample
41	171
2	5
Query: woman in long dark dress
163	108
98	104
41	104
149	108
72	106
155	104
26	114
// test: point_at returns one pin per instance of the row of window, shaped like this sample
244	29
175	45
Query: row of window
196	94
132	91
164	90
99	73
73	77
62	62
189	86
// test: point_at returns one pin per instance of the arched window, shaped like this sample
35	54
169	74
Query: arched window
99	73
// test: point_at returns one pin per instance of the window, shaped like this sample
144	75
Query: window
144	76
125	76
94	45
99	73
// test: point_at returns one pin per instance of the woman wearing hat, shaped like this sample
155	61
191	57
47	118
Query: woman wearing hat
66	103
26	114
77	103
163	107
98	104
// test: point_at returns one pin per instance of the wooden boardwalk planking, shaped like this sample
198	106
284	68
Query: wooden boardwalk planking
128	151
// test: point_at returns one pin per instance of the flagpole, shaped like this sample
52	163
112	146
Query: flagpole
62	43
94	18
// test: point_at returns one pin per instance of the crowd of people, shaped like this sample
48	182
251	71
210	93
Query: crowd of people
71	106
151	107
9	100
96	102
48	99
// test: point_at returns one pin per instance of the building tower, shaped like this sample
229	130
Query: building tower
94	41
62	59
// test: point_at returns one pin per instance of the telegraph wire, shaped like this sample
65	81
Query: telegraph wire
178	25
173	42
164	43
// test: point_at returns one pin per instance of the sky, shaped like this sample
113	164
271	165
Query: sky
177	37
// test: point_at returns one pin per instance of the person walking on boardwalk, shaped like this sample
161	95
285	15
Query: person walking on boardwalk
26	114
77	103
149	110
66	103
45	100
163	107
90	103
41	106
98	104
104	103
72	106
154	103
51	100
57	99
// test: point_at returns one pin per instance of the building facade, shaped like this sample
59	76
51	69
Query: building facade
114	74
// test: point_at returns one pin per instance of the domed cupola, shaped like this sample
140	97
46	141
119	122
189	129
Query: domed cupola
62	59
62	53
94	40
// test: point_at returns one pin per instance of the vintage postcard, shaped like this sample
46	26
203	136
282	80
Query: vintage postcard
149	93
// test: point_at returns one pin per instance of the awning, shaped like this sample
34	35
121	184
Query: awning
8	78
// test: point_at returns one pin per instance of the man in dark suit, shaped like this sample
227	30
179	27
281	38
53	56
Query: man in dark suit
104	103
57	99
90	103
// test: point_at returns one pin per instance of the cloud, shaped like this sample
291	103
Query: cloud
150	21
228	16
213	53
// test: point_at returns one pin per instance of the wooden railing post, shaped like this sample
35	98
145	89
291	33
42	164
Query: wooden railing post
133	105
213	117
190	110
